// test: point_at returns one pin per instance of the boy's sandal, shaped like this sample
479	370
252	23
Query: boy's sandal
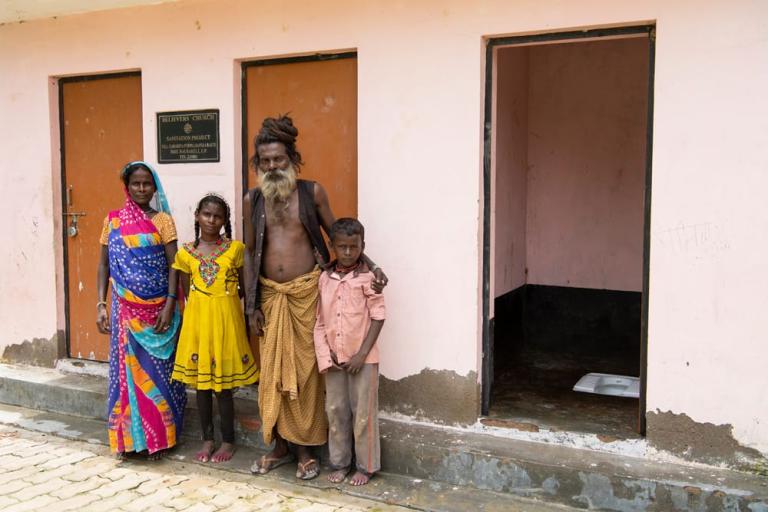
265	464
307	470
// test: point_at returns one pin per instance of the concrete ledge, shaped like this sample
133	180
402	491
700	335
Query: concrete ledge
550	472
578	478
46	389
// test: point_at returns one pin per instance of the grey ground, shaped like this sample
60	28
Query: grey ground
40	471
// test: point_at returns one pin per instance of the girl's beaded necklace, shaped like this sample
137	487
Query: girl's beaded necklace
209	268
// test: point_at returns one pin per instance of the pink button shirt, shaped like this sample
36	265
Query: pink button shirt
344	313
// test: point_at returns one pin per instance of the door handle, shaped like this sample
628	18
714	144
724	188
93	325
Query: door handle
69	196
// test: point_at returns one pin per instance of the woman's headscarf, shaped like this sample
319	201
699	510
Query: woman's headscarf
159	201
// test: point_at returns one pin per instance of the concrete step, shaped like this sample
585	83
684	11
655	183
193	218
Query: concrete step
548	472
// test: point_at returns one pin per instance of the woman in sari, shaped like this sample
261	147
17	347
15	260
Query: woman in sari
145	408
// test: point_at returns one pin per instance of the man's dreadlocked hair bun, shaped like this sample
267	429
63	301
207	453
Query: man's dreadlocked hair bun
278	129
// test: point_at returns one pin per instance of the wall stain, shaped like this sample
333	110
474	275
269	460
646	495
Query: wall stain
440	396
599	492
699	442
37	351
485	473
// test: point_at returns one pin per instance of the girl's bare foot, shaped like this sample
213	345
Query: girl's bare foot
224	453
338	476
359	478
204	455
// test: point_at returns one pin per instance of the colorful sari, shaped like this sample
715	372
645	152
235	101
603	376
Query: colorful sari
145	408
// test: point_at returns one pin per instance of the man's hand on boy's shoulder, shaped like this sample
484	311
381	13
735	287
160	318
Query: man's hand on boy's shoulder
380	280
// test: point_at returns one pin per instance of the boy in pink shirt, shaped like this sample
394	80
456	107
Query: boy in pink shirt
349	319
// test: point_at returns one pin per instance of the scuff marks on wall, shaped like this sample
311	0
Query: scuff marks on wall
441	396
37	351
700	442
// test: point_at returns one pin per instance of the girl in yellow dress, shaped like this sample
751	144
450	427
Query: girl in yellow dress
213	354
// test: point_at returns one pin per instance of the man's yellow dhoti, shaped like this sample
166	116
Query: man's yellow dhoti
291	392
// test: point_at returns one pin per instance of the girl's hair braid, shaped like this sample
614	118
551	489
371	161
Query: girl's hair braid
228	226
197	233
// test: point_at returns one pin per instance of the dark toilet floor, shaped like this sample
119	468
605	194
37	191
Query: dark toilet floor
538	389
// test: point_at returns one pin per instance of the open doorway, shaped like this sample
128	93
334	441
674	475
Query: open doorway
567	172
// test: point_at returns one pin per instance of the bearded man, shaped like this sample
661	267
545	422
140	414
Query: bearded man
284	257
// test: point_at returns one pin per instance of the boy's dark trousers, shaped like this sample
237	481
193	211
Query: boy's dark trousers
352	405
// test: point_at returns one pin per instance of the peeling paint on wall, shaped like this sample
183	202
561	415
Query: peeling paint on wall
440	396
37	351
699	442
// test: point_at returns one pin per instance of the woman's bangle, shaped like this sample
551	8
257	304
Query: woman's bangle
171	296
101	303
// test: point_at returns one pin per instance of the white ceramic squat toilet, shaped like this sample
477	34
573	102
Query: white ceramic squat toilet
607	384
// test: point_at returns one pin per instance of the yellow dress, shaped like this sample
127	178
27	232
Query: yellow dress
213	351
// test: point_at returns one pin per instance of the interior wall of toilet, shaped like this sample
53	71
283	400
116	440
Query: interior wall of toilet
569	161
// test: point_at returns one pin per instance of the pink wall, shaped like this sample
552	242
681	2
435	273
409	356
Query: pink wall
510	161
569	161
586	156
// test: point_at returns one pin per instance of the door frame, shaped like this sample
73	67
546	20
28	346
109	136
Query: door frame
315	57
63	199
487	342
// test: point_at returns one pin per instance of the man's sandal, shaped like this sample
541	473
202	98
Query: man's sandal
266	464
307	470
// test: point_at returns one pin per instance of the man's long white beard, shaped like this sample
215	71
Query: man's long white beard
277	185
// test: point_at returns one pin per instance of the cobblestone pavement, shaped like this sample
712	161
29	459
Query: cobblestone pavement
39	472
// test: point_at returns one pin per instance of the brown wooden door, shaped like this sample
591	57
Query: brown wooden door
101	124
321	97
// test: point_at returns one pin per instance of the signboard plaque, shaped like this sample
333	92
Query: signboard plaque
188	136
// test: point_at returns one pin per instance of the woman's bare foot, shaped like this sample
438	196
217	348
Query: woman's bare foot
204	455
359	478
338	476
224	453
156	456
